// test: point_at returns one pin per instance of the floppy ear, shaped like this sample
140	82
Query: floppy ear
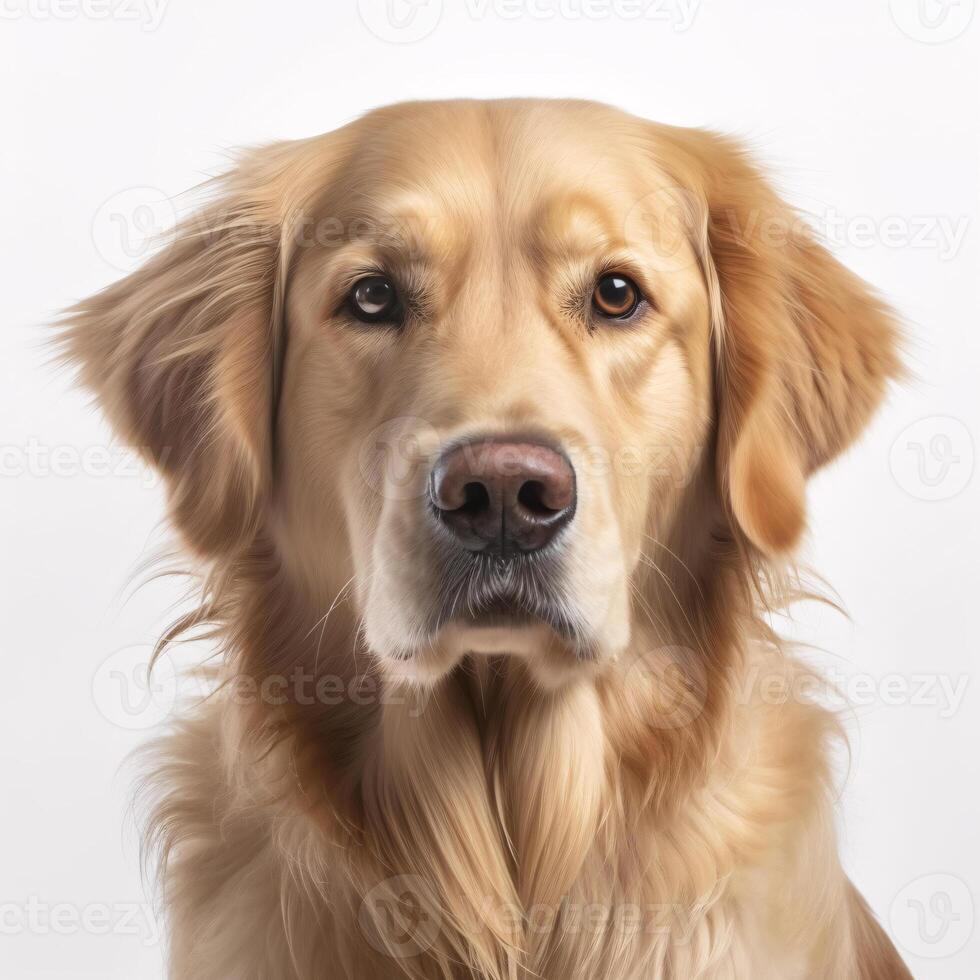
182	353
804	348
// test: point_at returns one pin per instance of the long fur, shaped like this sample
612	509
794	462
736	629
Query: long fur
664	816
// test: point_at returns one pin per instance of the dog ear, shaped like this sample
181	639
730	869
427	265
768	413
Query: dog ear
182	354
804	348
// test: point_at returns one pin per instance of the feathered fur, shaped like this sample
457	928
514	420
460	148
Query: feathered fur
657	814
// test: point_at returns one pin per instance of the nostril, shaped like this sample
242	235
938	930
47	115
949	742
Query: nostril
476	498
532	497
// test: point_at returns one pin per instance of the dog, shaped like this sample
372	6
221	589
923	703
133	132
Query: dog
487	425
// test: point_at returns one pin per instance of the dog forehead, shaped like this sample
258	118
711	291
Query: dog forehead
521	131
442	172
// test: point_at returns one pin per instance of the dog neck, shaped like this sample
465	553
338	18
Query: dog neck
496	799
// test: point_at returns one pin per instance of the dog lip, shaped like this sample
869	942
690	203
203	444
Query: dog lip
480	591
506	610
500	611
490	621
503	606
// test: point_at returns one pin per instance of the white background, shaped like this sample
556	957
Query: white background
867	114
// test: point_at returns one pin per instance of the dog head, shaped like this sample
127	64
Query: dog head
474	361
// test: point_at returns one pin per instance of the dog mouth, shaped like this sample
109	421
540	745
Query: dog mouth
487	592
502	612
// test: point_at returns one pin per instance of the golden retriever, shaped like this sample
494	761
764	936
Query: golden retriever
489	425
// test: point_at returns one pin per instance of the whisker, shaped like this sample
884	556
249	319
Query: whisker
323	622
680	561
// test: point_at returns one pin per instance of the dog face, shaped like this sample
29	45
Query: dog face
466	360
491	446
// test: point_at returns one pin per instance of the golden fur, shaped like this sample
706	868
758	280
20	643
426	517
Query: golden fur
495	804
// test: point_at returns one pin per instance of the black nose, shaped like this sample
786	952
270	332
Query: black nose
503	497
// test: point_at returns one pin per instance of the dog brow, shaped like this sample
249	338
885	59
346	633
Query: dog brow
574	223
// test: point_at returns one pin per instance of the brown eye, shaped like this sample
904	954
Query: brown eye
374	299
615	297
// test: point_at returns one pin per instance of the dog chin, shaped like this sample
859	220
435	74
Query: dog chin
551	659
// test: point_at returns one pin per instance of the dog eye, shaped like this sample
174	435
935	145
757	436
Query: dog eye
615	297
374	299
